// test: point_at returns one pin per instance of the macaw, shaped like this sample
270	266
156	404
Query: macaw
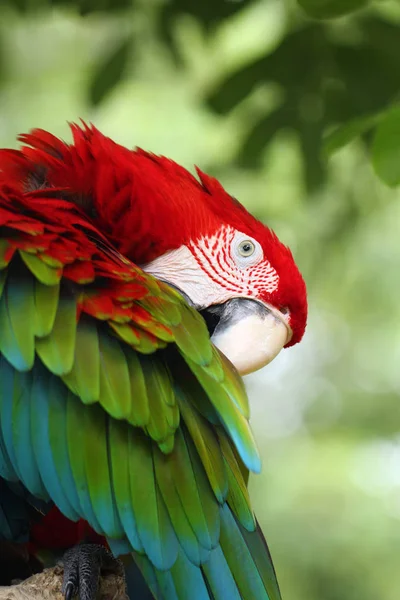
133	296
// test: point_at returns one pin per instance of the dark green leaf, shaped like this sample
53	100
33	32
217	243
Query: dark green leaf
109	72
329	9
208	12
386	148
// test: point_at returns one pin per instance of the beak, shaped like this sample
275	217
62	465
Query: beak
248	332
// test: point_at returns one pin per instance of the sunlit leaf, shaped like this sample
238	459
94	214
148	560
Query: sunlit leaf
386	148
328	9
110	71
344	134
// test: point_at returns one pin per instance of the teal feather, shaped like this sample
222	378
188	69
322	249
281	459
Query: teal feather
219	577
188	580
198	501
15	514
166	483
41	443
6	469
75	443
153	523
149	574
98	476
235	424
239	559
58	439
118	440
7	374
22	440
262	559
165	585
119	547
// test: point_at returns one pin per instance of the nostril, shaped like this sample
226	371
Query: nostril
284	310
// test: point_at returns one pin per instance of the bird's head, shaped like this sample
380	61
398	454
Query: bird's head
186	231
226	263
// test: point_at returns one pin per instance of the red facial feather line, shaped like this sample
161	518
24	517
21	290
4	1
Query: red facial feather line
213	254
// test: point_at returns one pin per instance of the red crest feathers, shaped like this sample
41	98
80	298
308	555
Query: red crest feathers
143	203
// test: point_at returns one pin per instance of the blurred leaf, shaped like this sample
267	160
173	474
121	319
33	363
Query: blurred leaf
208	12
110	72
328	9
386	148
343	135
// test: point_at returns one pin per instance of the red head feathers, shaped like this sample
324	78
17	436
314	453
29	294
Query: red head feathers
160	216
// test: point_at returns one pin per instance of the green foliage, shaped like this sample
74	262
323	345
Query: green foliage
110	71
328	9
343	135
335	79
386	148
325	81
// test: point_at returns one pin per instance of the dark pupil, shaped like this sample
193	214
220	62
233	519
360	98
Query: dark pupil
246	247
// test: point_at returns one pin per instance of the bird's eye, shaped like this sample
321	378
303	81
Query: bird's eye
246	248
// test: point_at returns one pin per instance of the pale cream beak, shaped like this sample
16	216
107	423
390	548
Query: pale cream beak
251	335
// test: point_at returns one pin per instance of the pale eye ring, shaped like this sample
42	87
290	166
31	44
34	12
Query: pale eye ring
246	248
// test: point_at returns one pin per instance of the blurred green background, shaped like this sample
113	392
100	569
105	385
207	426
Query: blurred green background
260	94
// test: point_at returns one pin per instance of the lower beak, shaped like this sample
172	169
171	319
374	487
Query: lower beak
249	333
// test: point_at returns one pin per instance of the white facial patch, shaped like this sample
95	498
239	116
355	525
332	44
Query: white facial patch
212	271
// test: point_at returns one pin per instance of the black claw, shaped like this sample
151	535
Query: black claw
69	591
82	568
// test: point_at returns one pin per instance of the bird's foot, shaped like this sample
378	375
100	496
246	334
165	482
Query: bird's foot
83	565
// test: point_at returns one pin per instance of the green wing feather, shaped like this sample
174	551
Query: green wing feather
154	525
84	377
46	302
57	349
19	301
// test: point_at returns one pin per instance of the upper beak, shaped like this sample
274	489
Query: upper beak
249	333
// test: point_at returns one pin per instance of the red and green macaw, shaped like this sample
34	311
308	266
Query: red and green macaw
132	297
